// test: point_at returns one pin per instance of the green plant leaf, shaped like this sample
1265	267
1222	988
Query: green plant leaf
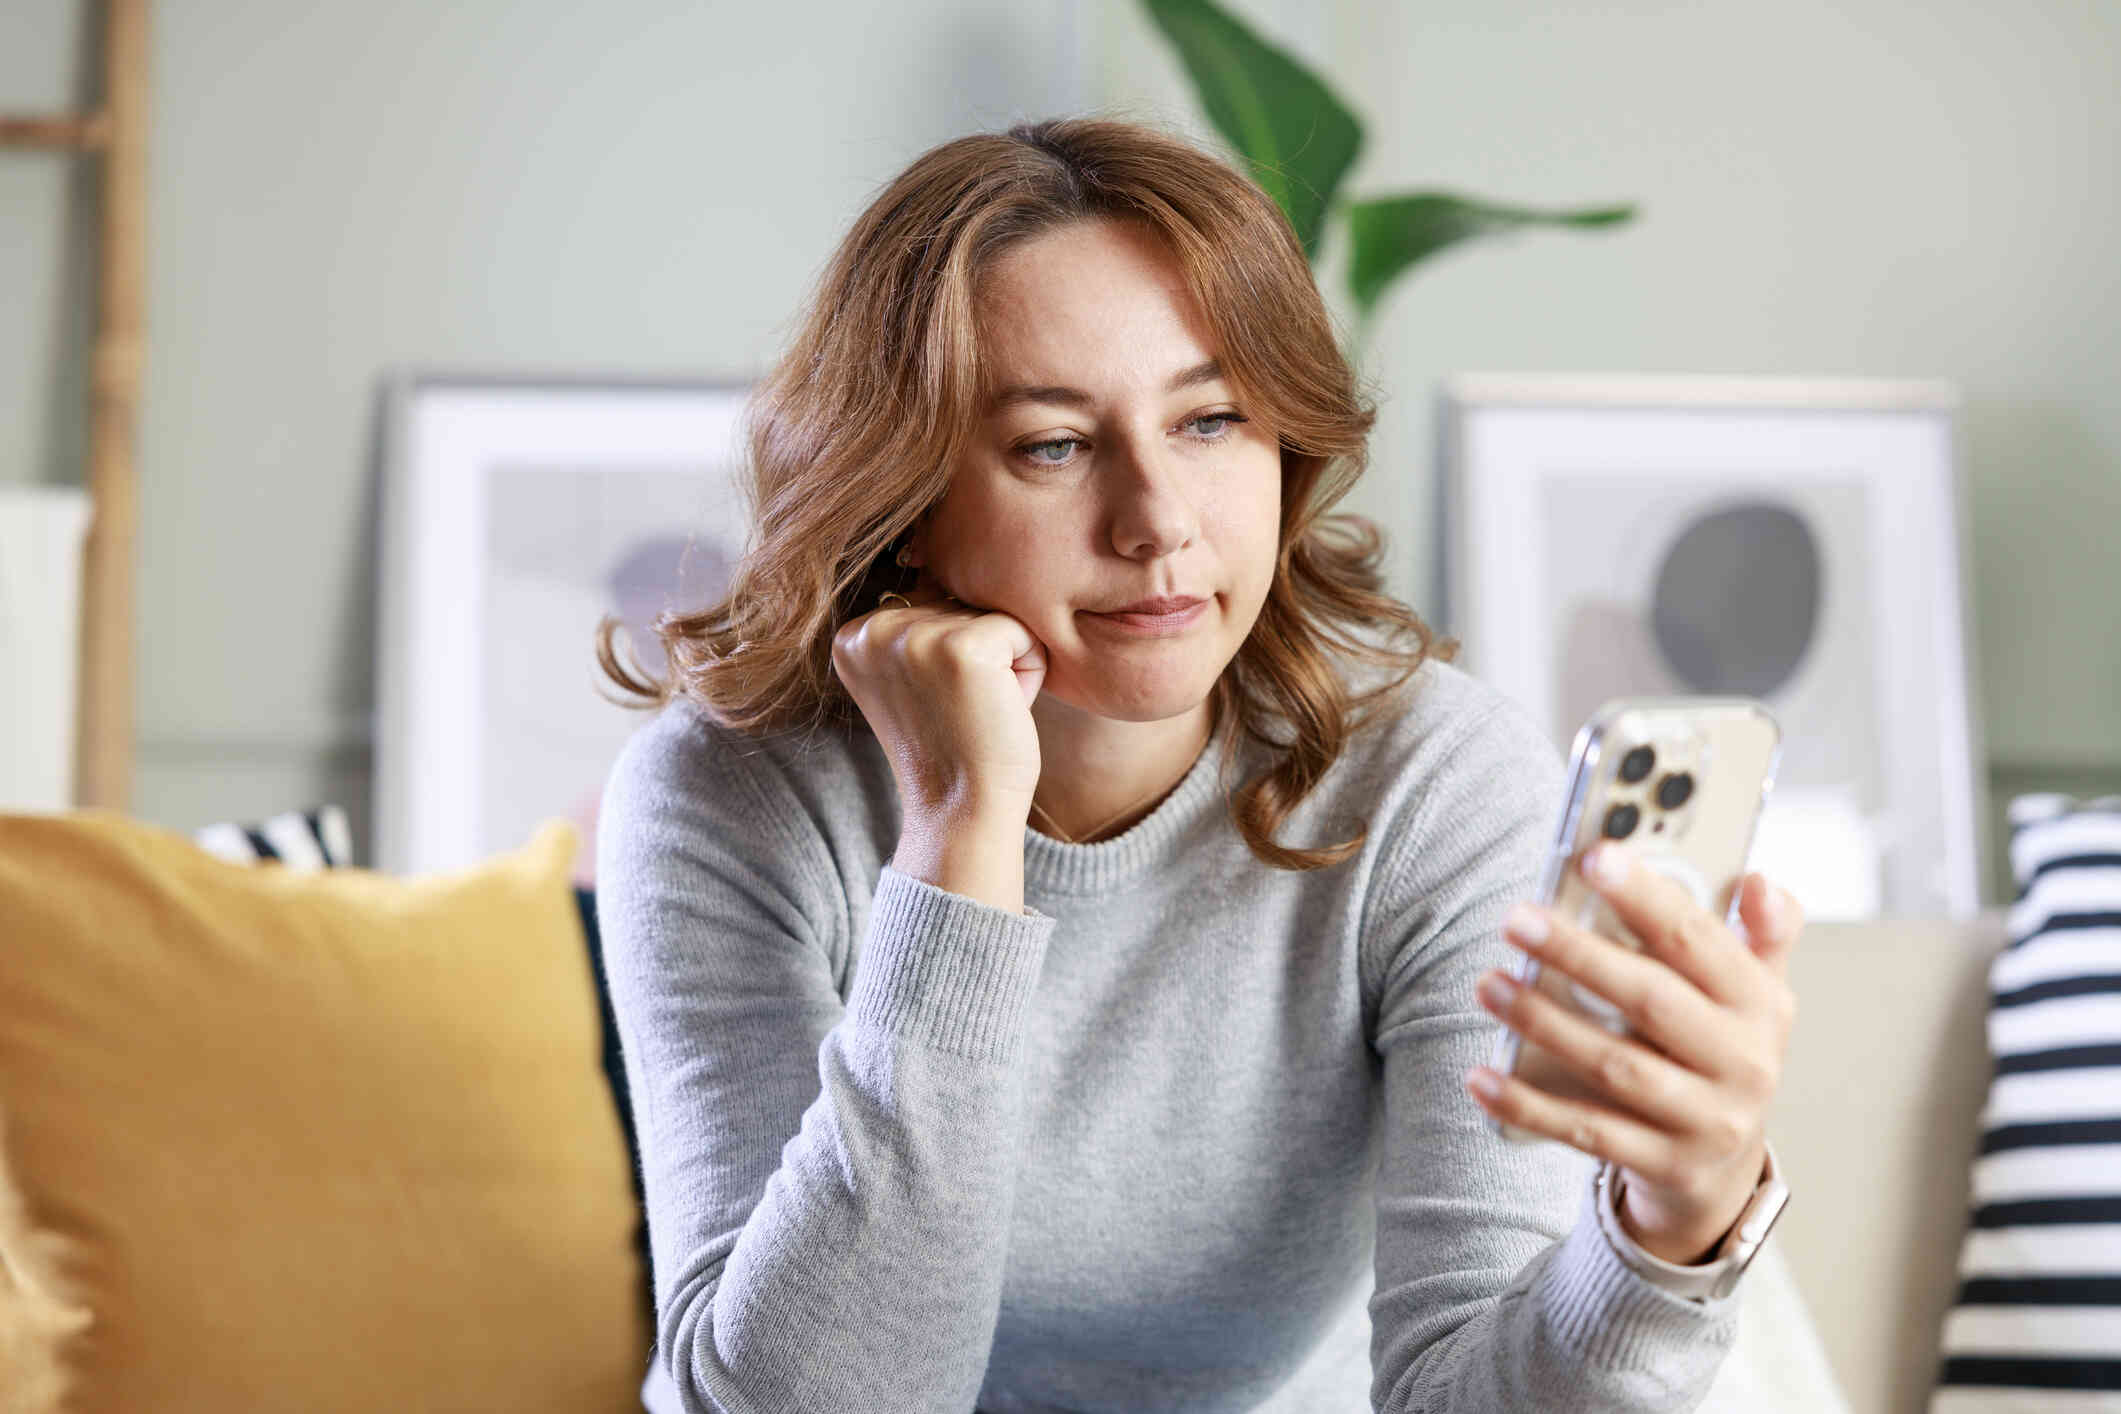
1389	234
1297	136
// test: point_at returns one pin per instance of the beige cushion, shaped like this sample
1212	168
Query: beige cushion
1876	1124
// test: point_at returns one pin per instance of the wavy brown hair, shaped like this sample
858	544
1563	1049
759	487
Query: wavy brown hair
853	434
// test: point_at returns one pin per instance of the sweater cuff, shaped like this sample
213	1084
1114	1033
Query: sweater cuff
1598	1305
1694	1283
947	970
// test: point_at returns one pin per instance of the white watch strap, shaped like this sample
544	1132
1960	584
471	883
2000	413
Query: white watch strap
1700	1284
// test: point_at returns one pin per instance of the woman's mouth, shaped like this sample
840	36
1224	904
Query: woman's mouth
1133	624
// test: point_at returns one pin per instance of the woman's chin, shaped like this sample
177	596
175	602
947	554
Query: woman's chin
1133	701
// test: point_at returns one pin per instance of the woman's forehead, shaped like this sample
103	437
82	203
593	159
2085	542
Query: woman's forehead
1089	314
1083	258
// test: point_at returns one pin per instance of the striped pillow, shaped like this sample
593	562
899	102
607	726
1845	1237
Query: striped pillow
298	839
2036	1324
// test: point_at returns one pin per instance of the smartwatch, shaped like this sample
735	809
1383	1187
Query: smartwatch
1717	1277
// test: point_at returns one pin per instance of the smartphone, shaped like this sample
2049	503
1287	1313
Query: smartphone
1682	780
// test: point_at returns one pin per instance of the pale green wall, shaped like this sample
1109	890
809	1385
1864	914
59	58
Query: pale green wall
1866	188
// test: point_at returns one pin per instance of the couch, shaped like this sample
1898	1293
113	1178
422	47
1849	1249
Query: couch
1876	1120
1877	1123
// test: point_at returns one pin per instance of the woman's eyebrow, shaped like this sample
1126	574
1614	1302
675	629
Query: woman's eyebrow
1016	393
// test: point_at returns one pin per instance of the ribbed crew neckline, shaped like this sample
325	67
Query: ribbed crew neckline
1054	866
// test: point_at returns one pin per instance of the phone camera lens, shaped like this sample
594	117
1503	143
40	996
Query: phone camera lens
1636	764
1675	790
1620	821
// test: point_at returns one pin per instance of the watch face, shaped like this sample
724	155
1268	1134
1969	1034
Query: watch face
1752	1231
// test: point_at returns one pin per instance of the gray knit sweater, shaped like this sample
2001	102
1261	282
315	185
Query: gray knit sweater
1185	1123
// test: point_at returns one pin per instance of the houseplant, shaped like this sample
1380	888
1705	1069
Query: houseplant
1299	140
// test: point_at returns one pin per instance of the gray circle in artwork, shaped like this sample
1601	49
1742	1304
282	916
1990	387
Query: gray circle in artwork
665	571
1736	602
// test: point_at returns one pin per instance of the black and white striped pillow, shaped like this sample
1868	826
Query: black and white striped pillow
298	839
2036	1324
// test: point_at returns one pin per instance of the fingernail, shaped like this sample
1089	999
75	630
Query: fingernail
1609	863
1526	924
1485	1083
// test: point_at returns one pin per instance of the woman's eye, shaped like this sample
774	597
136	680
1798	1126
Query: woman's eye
1038	453
1032	451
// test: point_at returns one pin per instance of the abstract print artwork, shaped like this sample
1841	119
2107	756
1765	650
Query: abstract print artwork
1793	541
518	514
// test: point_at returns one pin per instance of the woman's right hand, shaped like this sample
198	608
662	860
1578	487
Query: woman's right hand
947	689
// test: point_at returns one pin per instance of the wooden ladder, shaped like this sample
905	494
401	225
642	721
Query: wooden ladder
116	131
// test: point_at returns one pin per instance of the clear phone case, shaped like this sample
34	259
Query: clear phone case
1681	780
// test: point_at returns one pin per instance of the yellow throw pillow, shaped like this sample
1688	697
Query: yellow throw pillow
303	1141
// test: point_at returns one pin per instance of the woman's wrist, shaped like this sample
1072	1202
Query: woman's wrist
975	851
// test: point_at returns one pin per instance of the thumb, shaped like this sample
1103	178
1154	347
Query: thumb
1773	920
1030	669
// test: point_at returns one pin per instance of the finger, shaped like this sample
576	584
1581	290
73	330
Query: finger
925	602
1665	1009
1675	929
1596	1130
1773	920
1030	669
1635	1078
991	630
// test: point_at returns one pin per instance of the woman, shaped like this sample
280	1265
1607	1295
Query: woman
995	1039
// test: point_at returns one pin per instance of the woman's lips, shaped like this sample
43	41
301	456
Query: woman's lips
1154	623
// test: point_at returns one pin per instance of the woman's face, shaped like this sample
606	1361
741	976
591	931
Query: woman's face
1115	464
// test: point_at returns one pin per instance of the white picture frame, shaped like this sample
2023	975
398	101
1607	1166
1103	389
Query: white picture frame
516	510
1802	541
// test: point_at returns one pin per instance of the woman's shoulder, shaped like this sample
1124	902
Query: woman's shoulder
686	739
684	742
696	814
1447	733
805	778
1441	702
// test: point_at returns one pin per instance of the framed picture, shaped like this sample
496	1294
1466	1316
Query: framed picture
517	512
43	536
1802	542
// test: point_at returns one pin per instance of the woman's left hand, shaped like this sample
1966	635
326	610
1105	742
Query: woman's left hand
1688	1126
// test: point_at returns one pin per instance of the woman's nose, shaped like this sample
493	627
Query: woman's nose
1152	512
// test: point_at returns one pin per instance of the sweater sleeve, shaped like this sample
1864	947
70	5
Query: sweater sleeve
1496	1288
829	1188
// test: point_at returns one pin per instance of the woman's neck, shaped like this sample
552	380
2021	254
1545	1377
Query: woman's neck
1101	776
